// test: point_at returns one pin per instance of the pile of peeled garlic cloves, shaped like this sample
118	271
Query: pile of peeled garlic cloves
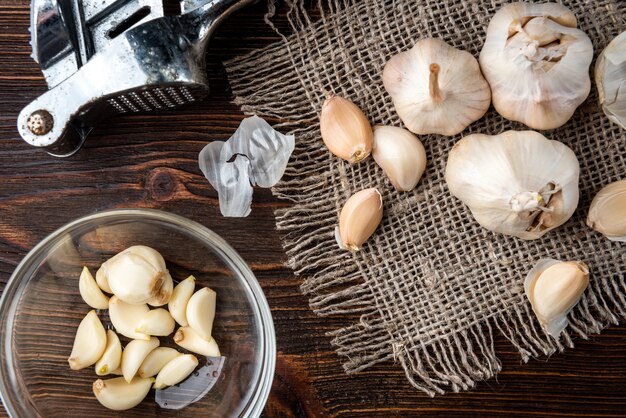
138	278
534	68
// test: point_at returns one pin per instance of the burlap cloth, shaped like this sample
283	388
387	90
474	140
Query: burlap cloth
431	287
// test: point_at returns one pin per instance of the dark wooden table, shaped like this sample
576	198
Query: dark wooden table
151	161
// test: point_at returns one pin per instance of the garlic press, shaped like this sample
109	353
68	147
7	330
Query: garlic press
106	57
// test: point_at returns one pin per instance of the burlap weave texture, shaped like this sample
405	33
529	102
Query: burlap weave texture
431	287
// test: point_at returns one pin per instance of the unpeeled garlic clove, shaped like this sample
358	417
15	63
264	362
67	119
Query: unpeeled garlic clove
90	291
180	297
101	278
345	129
125	318
201	312
188	339
553	288
138	275
359	218
119	395
134	354
436	88
156	322
89	342
401	156
607	213
610	74
112	356
155	361
176	371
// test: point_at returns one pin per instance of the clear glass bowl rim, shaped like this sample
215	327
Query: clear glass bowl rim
218	244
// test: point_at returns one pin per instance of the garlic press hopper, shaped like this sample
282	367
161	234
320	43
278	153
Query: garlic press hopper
106	57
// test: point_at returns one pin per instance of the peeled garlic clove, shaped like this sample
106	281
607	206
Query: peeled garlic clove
89	342
553	289
345	129
189	339
137	274
119	395
125	317
610	74
165	293
155	361
359	218
435	88
401	156
101	278
134	354
515	183
112	356
537	63
201	312
118	371
176	371
90	292
180	297
607	213
156	322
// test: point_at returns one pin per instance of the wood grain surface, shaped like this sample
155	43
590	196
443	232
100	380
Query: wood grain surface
151	161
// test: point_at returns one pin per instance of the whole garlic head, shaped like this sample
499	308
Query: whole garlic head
611	80
436	89
515	183
537	63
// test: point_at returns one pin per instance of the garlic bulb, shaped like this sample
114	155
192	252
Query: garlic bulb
515	183
138	275
401	156
611	80
553	289
359	218
537	63
607	213
436	89
345	130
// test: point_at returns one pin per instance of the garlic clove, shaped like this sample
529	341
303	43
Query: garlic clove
180	297
101	278
515	183
119	395
125	318
201	312
112	356
553	289
155	361
610	75
401	156
435	88
134	278
90	291
537	63
165	293
156	322
134	354
176	371
189	339
607	213
118	371
359	218
345	129
89	342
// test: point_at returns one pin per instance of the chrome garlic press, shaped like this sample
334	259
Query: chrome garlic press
107	57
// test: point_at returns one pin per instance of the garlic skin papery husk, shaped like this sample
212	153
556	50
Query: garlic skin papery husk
537	63
553	288
517	183
345	129
610	75
359	218
607	213
401	156
436	89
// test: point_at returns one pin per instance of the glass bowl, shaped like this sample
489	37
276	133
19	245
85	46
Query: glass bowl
41	308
